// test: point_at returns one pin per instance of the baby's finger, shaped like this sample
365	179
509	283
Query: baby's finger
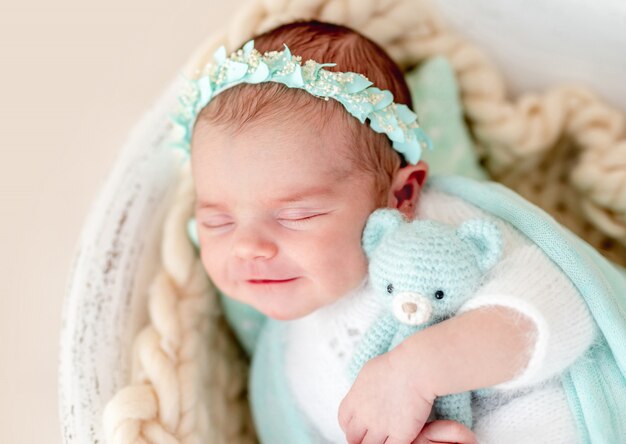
355	432
345	415
445	432
372	437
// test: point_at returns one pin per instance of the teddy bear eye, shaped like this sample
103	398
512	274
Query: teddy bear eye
439	294
390	288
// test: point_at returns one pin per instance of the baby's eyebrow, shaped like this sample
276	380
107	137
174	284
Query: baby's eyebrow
202	205
297	196
300	195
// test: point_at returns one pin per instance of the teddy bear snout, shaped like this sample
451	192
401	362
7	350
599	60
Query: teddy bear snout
409	307
412	308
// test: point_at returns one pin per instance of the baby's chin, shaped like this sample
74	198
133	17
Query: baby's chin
292	313
292	300
282	302
284	316
288	311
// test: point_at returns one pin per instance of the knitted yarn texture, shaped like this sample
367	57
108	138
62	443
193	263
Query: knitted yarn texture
424	271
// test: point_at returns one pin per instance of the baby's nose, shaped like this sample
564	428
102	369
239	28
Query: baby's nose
251	245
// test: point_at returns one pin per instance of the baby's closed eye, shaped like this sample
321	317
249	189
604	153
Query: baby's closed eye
217	221
298	219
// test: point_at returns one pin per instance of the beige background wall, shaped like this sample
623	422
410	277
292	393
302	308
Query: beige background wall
75	76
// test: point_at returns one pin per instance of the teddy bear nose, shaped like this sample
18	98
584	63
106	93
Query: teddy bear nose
409	307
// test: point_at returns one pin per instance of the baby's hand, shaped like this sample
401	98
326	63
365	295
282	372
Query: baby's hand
384	403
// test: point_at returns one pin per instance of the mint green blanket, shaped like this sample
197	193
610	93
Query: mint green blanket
595	384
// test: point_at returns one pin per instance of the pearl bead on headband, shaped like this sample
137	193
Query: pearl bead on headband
354	91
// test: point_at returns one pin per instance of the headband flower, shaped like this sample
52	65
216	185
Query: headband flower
354	91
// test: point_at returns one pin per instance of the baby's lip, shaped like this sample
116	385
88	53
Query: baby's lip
265	280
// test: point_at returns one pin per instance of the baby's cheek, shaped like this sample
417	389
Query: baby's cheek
213	266
346	262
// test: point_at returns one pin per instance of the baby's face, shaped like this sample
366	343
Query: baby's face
280	213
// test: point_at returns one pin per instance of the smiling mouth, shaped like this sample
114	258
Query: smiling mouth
271	281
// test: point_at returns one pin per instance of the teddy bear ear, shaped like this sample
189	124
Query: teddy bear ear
380	222
485	239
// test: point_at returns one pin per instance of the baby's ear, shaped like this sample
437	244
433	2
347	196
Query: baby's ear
380	222
485	239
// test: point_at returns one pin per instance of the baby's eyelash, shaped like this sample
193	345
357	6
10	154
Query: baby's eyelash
218	229
217	223
225	224
299	221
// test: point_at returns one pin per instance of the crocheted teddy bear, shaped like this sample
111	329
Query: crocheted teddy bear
424	270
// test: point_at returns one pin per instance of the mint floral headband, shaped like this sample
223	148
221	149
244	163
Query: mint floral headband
354	91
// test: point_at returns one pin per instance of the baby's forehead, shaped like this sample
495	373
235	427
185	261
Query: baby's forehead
321	132
324	137
285	148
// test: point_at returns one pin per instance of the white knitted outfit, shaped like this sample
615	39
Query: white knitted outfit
530	408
